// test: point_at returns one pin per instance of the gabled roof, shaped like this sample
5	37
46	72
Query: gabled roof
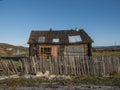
60	37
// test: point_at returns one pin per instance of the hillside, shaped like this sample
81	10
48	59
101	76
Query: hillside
108	47
11	50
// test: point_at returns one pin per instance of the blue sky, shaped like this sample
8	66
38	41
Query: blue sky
99	18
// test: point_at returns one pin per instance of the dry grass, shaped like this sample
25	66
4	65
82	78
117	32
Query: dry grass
106	53
101	81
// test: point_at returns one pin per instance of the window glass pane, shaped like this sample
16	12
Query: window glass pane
56	40
75	50
41	39
73	39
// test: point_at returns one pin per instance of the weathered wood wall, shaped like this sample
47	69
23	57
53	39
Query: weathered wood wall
62	50
67	65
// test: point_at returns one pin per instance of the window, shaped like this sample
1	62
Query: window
41	39
74	50
55	40
75	38
45	50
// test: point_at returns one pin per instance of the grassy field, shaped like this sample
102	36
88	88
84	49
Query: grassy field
106	53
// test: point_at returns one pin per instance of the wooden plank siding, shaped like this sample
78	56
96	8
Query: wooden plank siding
61	50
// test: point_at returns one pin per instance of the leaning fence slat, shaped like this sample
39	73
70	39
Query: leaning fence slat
87	65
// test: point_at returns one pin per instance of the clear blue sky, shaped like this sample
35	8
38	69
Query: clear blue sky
99	18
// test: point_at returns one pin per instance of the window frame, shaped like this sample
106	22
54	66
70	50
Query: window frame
55	40
74	38
41	39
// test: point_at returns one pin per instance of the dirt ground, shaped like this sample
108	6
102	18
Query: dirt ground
58	87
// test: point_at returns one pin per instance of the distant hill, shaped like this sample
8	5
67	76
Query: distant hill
107	48
12	50
115	46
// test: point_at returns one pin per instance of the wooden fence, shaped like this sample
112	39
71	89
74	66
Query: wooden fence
67	65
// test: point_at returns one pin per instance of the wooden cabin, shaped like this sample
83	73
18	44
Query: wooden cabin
60	43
